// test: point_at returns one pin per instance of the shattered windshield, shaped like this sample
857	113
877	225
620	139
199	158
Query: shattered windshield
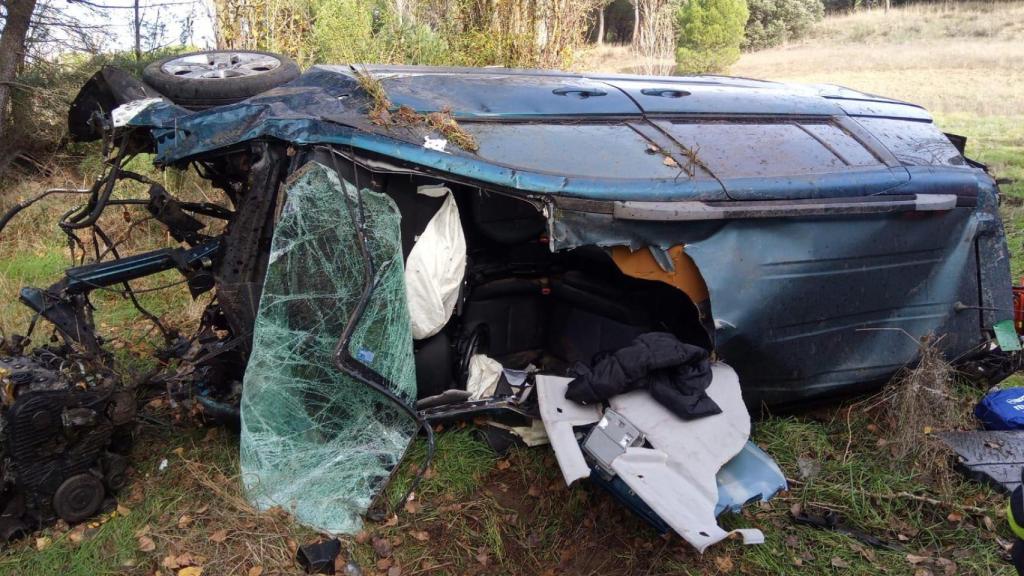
315	441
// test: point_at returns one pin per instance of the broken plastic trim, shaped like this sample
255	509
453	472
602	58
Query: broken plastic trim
677	476
352	366
695	210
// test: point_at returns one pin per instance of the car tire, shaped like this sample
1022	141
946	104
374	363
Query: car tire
199	80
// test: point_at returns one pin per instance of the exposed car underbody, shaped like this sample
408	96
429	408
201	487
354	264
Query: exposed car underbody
797	234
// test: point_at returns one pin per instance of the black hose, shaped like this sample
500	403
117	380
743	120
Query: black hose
99	199
10	214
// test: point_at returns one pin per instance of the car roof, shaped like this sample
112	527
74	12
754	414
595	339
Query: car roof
512	93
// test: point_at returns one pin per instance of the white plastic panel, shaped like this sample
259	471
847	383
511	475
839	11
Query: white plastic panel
559	416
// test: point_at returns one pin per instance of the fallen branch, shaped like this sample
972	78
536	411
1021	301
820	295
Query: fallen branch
908	496
932	501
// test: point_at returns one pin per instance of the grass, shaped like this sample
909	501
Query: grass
476	513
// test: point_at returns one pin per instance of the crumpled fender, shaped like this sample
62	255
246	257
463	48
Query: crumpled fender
104	91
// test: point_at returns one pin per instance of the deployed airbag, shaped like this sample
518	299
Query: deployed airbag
435	267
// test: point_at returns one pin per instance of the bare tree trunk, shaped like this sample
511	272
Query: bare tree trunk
12	54
636	21
138	32
600	24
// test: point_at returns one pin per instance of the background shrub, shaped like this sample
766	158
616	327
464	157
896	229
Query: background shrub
773	22
710	33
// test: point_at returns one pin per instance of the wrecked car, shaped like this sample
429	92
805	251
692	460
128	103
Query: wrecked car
405	246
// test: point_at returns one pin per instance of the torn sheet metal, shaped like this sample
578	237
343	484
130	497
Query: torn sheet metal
995	457
314	440
677	476
124	113
892	273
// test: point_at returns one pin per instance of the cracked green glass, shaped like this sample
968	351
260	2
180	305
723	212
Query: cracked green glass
315	441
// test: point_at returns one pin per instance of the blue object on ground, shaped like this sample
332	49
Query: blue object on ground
751	476
1002	410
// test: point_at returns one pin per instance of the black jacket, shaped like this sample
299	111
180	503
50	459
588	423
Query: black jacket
675	373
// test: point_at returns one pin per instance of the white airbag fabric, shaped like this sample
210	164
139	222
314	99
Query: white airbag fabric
435	268
484	375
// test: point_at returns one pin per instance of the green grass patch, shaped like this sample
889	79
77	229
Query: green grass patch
460	461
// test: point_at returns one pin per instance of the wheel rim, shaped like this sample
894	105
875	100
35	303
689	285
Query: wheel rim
216	65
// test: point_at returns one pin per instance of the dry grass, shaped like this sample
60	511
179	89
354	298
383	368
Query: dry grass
620	59
953	58
383	113
918	402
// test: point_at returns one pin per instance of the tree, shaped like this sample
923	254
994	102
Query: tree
654	40
602	7
12	52
773	22
710	33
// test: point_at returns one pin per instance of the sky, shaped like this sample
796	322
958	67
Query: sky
117	20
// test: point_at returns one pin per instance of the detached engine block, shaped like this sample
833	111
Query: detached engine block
64	429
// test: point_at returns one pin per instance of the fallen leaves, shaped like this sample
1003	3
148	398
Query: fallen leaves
77	534
146	544
219	536
255	571
183	562
988	523
382	547
926	565
838	562
184	521
413	506
483	556
420	535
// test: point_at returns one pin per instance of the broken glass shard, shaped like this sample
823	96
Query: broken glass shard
315	441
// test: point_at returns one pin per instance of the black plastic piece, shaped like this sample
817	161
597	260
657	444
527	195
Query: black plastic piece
995	457
318	558
78	498
106	90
